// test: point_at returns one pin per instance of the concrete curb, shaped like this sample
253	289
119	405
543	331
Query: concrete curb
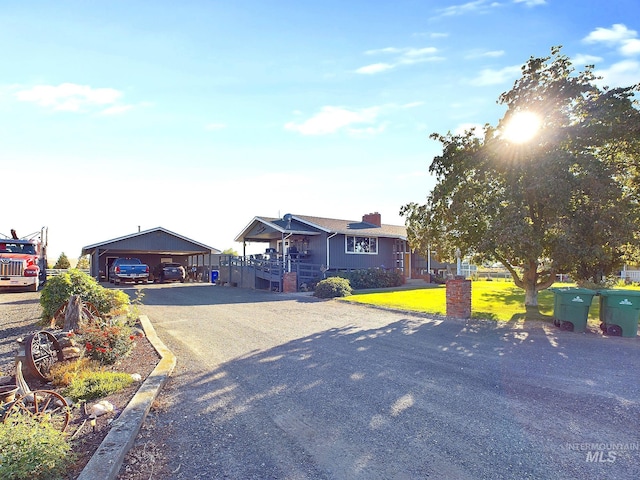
107	460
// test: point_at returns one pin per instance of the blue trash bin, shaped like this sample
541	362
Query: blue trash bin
214	276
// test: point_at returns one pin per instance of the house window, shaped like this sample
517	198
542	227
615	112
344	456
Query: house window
365	245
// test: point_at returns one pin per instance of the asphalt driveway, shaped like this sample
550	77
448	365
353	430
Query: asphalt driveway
270	386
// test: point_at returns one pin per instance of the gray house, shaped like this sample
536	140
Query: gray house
310	245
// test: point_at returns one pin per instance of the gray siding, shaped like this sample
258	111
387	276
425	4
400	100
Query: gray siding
154	241
340	259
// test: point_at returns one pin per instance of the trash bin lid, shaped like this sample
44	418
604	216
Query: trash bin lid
619	292
573	290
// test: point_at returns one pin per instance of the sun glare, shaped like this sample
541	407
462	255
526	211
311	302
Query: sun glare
522	127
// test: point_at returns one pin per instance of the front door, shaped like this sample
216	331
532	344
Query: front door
407	265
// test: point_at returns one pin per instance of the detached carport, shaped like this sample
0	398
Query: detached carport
152	247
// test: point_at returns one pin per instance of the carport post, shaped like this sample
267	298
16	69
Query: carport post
210	267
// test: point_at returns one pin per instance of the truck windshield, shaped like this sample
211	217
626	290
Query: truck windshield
17	248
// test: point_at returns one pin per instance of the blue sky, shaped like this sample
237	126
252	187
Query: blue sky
199	115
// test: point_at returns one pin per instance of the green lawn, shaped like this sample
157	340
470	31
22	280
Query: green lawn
497	300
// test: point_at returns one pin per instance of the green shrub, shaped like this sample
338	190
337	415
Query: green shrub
372	278
333	287
106	343
96	384
32	450
57	291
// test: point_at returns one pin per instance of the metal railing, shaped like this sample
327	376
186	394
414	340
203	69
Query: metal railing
53	272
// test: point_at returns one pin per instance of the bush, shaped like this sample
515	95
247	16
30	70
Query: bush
333	287
372	278
32	450
106	343
57	291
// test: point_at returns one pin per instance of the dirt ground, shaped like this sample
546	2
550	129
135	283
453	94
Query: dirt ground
19	315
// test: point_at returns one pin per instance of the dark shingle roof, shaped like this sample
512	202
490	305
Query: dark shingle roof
347	227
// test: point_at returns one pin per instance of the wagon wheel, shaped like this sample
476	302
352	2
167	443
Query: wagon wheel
42	350
89	312
43	406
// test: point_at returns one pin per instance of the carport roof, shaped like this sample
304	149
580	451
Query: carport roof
156	240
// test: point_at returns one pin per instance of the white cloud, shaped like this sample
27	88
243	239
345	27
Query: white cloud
69	96
614	35
621	74
368	131
493	53
618	36
331	119
430	35
487	54
630	47
419	52
477	6
531	3
582	60
405	56
489	76
374	68
412	104
379	51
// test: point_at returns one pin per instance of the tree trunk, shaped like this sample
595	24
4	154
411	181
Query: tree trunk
530	296
530	284
72	315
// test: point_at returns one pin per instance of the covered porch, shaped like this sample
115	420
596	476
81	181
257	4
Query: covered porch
291	250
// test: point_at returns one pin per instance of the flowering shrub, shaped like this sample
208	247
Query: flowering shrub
105	343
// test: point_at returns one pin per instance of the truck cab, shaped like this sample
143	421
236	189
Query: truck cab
23	261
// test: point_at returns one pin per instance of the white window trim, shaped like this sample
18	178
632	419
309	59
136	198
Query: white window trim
377	239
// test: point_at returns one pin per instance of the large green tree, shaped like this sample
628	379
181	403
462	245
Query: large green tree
558	195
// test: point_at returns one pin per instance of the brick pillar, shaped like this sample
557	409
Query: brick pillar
459	298
290	282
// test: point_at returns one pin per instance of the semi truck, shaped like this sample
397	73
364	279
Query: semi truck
23	260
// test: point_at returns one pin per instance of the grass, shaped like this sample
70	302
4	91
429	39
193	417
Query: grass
85	379
497	300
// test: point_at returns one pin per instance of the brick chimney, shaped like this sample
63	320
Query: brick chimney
373	218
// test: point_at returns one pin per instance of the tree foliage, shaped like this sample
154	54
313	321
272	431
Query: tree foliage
564	202
63	262
83	262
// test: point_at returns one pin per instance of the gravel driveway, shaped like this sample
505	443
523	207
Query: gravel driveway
19	313
270	386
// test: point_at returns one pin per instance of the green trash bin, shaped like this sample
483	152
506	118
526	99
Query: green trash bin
619	312
571	307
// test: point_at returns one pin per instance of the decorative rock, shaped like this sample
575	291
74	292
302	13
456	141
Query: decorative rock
71	352
138	332
136	377
100	408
